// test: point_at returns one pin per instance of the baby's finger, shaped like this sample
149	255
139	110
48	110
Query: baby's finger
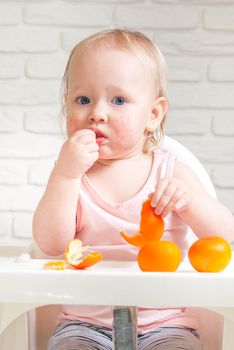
165	198
159	190
94	156
92	147
163	203
171	205
84	136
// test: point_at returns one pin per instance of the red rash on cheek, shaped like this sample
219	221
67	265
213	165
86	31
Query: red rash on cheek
73	124
125	132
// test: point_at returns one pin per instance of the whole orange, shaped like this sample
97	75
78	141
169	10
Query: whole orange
210	254
161	256
151	225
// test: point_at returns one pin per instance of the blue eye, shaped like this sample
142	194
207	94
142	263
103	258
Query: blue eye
119	100
83	100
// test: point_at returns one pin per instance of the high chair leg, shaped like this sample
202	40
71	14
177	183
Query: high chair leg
124	328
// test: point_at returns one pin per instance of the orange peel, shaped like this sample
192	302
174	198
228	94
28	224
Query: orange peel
138	240
78	256
151	225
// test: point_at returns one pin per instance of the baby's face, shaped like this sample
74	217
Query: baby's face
111	92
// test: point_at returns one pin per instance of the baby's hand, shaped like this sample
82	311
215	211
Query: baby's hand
171	194
77	154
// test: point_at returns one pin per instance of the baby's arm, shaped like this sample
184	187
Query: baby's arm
184	194
54	222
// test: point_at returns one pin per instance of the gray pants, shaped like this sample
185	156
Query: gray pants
76	335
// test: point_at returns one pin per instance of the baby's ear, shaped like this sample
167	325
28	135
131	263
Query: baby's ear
158	112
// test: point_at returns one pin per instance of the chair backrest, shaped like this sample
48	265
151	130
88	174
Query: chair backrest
188	158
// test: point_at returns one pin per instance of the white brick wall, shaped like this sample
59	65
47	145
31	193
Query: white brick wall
197	39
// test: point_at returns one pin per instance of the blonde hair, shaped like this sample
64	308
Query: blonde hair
135	42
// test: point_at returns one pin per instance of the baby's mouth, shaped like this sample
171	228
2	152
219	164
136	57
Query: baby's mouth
100	137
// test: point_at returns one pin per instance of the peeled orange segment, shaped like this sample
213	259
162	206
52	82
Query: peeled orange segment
138	240
210	254
159	256
55	265
79	256
151	225
75	251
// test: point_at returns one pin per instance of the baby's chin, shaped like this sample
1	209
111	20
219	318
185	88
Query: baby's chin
114	156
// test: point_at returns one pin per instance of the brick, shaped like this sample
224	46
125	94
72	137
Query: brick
223	123
222	175
112	1
46	66
44	121
10	66
13	172
39	172
221	70
9	14
208	148
24	198
26	145
226	196
185	68
5	224
22	225
183	95
208	167
26	1
29	93
79	14
10	120
195	43
188	121
196	2
220	18
29	40
156	16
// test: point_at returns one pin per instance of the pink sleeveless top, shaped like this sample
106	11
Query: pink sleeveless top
98	225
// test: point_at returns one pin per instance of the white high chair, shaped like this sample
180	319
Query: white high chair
42	321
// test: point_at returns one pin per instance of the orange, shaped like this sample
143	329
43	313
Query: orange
55	265
151	225
137	239
210	254
79	256
160	256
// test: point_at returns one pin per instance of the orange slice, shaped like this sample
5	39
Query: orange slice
55	265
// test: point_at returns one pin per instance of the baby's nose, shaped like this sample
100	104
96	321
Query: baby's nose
98	116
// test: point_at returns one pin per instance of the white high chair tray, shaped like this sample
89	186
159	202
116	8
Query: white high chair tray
115	283
26	285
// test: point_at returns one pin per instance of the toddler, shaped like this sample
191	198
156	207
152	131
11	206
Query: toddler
115	104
